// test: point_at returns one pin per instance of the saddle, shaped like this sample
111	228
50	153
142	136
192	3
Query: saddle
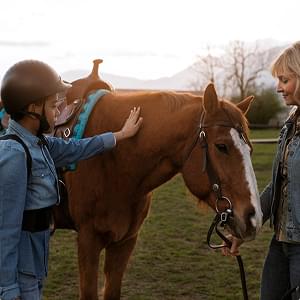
75	100
71	108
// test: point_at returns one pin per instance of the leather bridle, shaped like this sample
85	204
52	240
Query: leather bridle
207	165
222	216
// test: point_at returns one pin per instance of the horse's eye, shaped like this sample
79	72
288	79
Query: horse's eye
222	148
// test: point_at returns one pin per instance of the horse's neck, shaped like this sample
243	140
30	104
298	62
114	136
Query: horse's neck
163	144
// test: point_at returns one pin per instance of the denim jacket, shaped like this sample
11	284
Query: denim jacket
24	251
271	194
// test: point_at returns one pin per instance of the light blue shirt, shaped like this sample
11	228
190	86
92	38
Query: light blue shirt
23	251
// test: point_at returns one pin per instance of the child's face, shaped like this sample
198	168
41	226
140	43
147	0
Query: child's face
51	110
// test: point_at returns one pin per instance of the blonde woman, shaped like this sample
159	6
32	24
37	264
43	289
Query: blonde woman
281	198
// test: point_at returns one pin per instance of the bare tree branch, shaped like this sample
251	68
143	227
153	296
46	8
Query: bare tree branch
205	69
243	65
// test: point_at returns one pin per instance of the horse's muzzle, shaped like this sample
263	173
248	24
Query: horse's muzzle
245	229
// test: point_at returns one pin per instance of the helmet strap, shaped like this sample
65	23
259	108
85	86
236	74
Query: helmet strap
44	124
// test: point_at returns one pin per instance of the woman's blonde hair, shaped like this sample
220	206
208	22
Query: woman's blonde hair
288	63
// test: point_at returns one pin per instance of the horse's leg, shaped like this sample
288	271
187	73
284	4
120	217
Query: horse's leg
89	248
116	259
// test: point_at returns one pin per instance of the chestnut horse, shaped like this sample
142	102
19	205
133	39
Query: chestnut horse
110	194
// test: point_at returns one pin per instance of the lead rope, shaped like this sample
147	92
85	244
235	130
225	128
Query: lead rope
220	220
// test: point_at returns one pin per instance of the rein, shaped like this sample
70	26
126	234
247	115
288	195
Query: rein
222	217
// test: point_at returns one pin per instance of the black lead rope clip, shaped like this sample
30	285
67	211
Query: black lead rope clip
225	214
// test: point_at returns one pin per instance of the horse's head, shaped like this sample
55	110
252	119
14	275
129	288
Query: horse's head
222	156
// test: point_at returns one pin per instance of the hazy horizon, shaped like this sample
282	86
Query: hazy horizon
137	38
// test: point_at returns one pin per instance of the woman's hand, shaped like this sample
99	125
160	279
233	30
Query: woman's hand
131	126
234	249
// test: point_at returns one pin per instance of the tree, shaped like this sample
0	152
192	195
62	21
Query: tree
243	65
265	107
234	73
206	70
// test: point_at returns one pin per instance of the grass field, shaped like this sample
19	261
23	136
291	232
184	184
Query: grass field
171	259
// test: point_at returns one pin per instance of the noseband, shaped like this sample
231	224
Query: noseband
222	216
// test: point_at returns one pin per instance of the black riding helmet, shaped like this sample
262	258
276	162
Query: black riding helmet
27	82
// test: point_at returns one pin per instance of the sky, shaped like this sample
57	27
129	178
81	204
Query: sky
137	38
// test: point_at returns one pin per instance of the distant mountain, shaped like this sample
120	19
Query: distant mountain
179	81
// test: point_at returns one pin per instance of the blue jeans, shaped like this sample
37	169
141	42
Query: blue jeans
281	271
30	286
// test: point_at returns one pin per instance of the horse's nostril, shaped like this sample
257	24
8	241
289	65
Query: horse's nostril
251	214
251	217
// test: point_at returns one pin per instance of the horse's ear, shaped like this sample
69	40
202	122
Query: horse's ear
210	99
245	104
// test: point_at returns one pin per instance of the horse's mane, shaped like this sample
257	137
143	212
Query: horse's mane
173	101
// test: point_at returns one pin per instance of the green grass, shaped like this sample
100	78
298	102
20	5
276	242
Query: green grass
171	259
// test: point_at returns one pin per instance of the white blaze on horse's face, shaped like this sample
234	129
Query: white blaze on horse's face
250	178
